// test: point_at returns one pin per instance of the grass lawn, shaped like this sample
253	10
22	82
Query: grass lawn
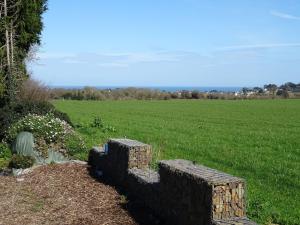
257	139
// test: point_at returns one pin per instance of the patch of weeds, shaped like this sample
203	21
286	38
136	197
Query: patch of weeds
5	152
37	206
5	156
3	163
109	128
98	123
21	162
123	200
75	144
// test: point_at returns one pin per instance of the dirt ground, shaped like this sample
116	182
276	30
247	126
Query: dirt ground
60	195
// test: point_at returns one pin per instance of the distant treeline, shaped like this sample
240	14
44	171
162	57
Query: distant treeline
288	90
32	90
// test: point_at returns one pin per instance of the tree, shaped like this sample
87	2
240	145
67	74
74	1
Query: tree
245	90
283	92
258	90
20	28
196	94
289	86
272	88
186	94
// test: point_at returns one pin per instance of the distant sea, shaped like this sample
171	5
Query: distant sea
162	88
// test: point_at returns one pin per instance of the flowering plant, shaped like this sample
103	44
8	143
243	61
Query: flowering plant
48	127
49	133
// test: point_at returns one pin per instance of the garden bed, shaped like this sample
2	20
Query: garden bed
60	194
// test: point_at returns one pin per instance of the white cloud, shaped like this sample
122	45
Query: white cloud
73	61
112	65
257	46
115	59
56	55
284	15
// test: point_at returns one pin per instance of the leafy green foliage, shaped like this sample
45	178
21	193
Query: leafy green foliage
5	156
29	24
258	140
109	128
4	163
10	114
48	127
40	108
26	19
2	84
7	117
5	152
50	133
75	145
98	122
21	162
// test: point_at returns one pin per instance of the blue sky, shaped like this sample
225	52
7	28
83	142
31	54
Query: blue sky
169	43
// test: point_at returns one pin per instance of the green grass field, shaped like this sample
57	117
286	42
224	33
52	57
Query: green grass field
258	140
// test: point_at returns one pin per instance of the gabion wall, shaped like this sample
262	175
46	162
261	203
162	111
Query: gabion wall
123	155
144	184
199	194
182	193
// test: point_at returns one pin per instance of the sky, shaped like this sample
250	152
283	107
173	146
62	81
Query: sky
169	43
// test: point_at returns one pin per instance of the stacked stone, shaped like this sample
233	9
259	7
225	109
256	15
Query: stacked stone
135	154
182	193
229	200
144	185
97	159
192	194
124	154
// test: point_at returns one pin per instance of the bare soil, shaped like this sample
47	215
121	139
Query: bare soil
63	195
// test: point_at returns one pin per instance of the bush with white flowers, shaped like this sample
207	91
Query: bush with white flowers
48	127
49	132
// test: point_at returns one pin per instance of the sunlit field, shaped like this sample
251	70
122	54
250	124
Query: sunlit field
258	140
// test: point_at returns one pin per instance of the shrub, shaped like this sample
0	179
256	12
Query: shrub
48	127
74	144
109	128
63	116
50	133
2	84
196	94
5	152
21	162
35	91
40	108
9	114
7	117
41	146
4	163
97	122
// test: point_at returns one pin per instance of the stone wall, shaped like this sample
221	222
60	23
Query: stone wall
197	193
123	155
180	192
144	185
